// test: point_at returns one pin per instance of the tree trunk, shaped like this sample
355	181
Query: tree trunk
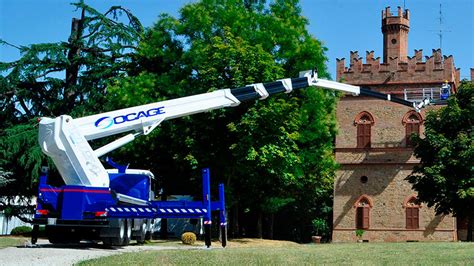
72	72
470	218
259	225
235	221
270	226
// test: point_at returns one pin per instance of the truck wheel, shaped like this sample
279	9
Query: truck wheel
142	234
57	240
148	235
148	229
55	236
128	232
119	239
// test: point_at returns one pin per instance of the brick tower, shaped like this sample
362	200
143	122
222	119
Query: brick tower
373	145
395	34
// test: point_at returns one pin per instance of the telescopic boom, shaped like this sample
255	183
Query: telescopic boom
65	139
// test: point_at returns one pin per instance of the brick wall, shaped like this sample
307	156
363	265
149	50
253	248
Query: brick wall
388	130
388	192
386	164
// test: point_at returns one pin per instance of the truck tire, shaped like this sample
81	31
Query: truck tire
119	239
56	239
128	232
142	234
149	230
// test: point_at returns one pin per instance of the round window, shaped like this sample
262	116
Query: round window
364	179
394	41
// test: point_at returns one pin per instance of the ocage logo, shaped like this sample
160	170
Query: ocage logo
107	121
104	122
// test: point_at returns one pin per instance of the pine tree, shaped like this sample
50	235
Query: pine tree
51	79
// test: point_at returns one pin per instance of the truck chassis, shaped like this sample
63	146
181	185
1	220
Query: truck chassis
75	213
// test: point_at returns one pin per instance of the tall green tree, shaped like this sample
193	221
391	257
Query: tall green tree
51	79
445	177
274	154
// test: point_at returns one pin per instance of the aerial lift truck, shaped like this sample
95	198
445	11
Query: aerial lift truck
116	205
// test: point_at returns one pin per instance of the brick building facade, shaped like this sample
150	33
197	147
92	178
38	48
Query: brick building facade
373	146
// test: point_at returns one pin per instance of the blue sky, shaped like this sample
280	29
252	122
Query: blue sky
342	25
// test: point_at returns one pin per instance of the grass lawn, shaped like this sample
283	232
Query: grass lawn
281	253
7	241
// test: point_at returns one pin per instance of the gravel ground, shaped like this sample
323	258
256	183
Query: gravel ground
46	254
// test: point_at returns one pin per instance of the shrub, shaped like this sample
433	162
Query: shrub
320	227
359	233
188	238
21	230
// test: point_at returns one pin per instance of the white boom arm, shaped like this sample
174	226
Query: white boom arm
65	139
356	90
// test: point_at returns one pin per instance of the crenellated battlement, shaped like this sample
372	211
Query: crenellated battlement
392	23
400	14
434	68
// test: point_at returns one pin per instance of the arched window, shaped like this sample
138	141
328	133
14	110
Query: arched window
412	121
364	122
363	205
412	213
